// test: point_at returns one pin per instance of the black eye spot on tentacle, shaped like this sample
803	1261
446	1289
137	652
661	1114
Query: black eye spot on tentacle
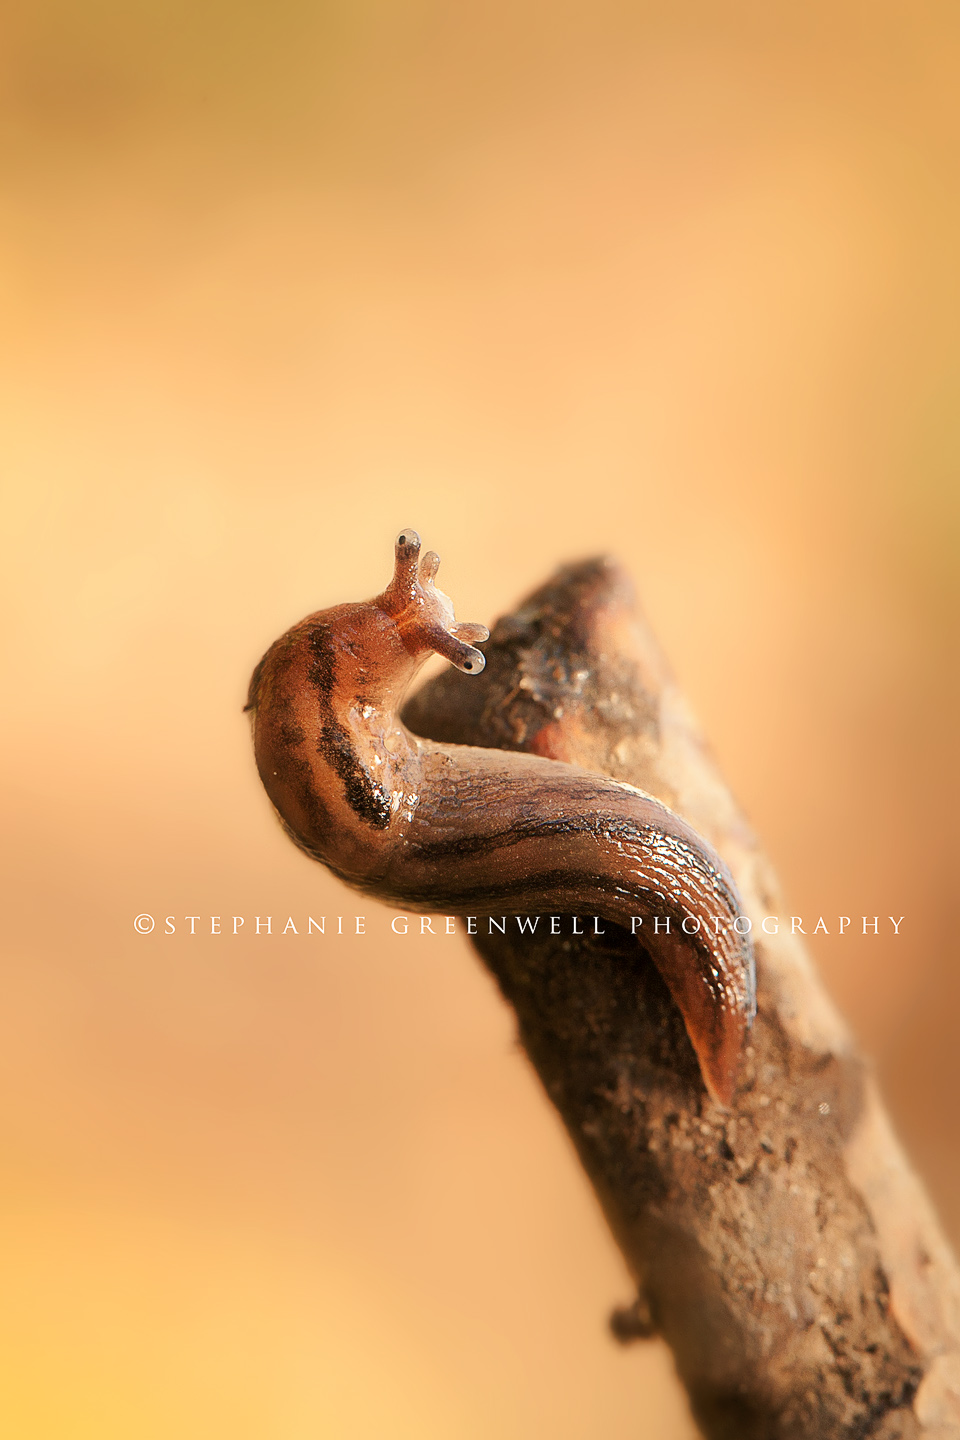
472	661
406	552
464	657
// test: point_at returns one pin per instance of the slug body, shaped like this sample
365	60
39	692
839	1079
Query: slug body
455	829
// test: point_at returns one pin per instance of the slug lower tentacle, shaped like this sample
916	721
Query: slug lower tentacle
457	828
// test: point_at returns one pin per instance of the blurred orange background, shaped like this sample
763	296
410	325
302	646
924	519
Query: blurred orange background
674	281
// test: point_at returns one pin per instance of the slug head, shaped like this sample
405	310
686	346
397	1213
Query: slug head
423	614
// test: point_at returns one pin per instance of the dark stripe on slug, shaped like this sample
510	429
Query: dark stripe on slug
647	837
669	876
367	798
462	897
484	899
520	829
253	690
298	774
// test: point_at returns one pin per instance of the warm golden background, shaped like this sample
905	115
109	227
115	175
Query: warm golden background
672	279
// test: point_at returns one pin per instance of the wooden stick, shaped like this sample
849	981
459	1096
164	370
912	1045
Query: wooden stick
783	1248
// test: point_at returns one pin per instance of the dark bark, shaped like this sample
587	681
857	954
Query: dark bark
783	1247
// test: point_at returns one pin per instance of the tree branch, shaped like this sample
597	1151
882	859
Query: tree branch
783	1248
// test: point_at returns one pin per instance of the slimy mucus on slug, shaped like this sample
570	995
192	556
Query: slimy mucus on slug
451	829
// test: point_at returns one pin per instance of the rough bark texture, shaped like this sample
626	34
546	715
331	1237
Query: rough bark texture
783	1248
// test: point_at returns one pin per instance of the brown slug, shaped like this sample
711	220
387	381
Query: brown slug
456	829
